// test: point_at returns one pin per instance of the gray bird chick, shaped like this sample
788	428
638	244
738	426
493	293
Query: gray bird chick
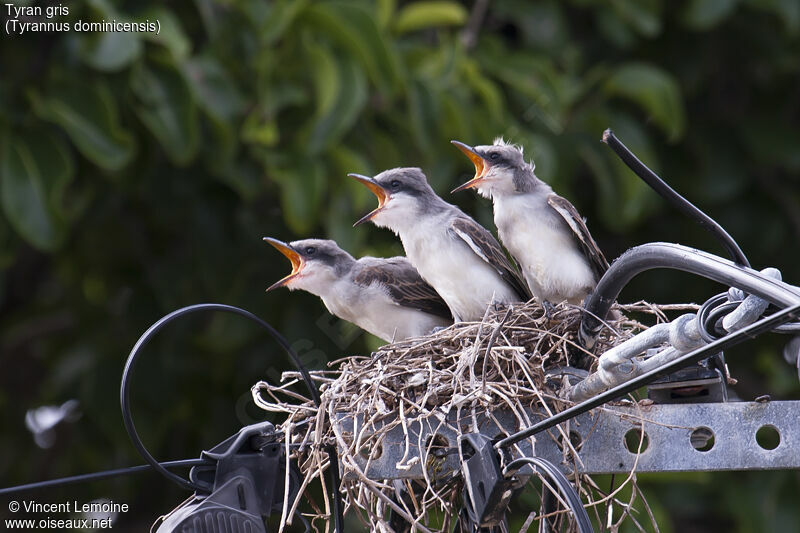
385	297
452	252
543	231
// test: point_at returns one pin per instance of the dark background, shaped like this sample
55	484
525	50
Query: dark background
139	172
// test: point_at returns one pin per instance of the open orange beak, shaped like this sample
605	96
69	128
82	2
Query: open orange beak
481	166
377	190
297	262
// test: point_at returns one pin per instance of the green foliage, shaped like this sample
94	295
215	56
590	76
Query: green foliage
654	90
138	173
420	15
34	171
166	108
89	114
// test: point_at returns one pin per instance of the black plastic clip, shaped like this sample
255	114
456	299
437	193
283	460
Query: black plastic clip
243	486
486	491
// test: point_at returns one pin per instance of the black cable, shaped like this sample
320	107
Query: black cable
101	475
562	483
681	203
280	339
711	313
145	338
715	308
702	316
714	319
753	330
333	468
675	256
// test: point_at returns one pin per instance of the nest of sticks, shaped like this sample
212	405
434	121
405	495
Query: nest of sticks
467	369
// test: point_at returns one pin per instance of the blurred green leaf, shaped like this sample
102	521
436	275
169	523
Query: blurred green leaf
454	119
430	14
166	107
355	29
88	113
261	126
302	189
34	170
613	28
110	51
543	91
642	15
213	87
343	161
385	12
423	110
655	91
488	91
326	75
171	36
541	24
705	14
282	14
205	8
220	100
283	94
341	92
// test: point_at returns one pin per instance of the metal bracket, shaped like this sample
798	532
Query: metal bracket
693	384
679	438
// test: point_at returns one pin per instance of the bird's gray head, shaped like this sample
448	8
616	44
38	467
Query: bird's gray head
316	263
403	194
500	169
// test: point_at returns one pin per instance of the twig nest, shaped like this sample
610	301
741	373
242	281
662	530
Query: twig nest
455	378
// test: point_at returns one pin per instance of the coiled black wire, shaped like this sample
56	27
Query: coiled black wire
552	472
710	315
713	310
280	339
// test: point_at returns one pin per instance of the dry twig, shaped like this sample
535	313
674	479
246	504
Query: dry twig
416	381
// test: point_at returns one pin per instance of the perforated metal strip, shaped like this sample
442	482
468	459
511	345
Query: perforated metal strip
600	437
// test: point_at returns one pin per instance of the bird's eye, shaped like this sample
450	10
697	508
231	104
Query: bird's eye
395	184
494	157
310	250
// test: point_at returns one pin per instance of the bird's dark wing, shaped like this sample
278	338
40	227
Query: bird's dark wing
486	246
403	283
590	249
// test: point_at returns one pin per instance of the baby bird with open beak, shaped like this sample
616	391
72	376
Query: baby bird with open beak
385	297
541	230
452	252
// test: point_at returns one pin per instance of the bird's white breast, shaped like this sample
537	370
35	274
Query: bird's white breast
466	282
371	309
545	248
